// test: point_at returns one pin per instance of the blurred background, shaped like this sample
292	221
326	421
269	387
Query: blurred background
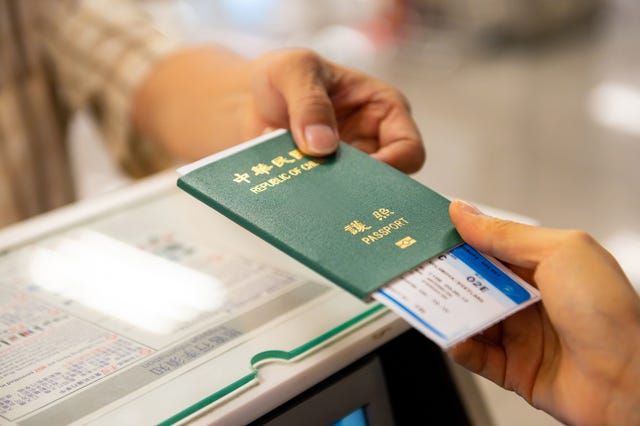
530	106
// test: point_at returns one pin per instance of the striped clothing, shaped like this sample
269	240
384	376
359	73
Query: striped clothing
55	57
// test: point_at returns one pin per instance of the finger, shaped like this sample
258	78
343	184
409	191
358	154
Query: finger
515	243
481	357
404	154
385	120
492	334
376	118
302	79
401	145
524	273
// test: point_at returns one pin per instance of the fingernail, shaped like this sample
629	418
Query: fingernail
320	139
466	207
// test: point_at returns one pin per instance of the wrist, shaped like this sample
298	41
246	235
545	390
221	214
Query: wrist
183	96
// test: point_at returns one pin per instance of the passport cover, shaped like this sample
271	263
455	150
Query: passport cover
356	221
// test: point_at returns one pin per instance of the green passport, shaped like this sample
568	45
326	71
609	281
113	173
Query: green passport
353	219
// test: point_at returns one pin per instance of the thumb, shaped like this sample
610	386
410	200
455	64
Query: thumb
515	243
303	79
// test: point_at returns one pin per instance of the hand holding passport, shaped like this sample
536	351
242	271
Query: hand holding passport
370	229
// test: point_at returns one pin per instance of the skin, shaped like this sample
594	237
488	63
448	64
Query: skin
576	355
204	99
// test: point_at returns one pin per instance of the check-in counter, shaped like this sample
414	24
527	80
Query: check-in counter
144	306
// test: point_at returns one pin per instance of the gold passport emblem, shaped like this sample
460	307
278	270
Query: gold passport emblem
405	242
